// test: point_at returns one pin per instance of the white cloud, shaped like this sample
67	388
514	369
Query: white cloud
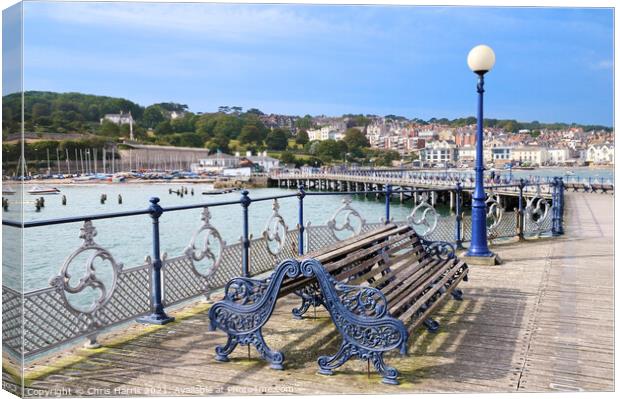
214	21
604	64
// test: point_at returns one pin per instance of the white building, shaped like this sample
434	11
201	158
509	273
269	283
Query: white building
532	155
263	160
215	163
177	114
119	119
439	152
243	173
333	131
600	153
501	154
558	155
467	154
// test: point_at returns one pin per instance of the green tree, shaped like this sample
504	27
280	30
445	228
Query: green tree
287	157
227	125
205	125
109	128
39	111
329	150
250	134
254	111
152	116
355	140
277	139
163	128
302	137
305	122
124	130
219	142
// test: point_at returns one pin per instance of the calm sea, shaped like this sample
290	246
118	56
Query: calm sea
129	238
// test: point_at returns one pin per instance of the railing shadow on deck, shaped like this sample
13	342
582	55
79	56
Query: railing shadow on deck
477	340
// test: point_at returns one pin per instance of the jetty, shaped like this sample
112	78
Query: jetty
540	322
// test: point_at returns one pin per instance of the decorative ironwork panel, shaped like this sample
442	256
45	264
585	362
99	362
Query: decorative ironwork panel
346	219
466	231
318	237
262	259
11	319
181	280
229	267
275	232
505	228
93	278
49	321
538	216
210	255
445	229
423	218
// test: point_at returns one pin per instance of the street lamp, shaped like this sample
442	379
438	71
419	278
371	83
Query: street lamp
480	60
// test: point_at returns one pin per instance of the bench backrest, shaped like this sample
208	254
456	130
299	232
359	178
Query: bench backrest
349	259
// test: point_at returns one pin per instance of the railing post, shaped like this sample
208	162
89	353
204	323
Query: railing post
561	206
245	262
520	212
459	216
388	194
555	229
158	316
301	194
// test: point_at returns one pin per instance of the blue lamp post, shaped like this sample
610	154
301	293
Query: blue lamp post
480	60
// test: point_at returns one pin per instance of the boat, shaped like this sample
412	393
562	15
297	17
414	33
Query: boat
220	191
84	179
569	173
7	190
38	190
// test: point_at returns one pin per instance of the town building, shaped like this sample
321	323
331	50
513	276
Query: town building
440	153
264	162
333	131
501	155
600	154
216	163
119	119
558	156
530	155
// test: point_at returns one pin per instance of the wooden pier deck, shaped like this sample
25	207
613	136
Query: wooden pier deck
542	321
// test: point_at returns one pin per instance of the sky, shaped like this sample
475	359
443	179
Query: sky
552	64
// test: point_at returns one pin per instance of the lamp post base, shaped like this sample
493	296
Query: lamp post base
492	260
155	319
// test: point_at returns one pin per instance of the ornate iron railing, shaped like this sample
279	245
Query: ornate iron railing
104	293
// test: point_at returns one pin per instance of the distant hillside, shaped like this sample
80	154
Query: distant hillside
62	112
49	112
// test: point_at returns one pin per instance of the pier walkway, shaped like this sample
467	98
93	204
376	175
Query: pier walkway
542	321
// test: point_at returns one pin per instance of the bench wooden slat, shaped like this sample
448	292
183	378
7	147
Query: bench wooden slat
325	254
394	263
408	265
435	304
352	257
414	308
401	296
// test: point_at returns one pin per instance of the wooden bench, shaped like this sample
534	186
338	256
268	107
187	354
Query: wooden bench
377	287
